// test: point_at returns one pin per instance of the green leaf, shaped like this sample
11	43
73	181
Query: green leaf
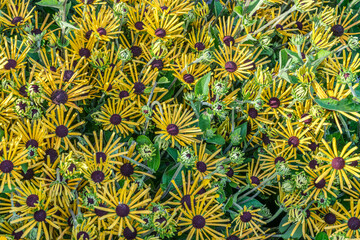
7	189
218	8
24	167
229	203
217	139
50	3
155	161
240	132
319	58
142	139
166	178
322	236
1	133
68	25
254	203
297	233
163	80
284	220
253	5
289	78
173	153
345	105
294	56
204	122
238	10
147	90
283	58
202	86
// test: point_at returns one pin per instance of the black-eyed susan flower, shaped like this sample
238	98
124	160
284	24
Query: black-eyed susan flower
60	94
337	164
11	160
340	28
201	219
176	124
17	15
171	7
350	219
118	116
61	126
199	39
248	219
235	64
15	54
98	174
123	205
163	26
103	150
229	31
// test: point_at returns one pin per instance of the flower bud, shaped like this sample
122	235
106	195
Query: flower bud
300	93
263	77
187	157
146	111
125	55
236	156
297	40
147	151
353	43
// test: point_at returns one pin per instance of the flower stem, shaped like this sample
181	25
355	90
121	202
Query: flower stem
278	212
263	184
180	165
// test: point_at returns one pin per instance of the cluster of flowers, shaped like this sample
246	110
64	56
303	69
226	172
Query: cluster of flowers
179	119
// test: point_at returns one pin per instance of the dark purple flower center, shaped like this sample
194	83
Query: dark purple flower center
6	166
338	30
330	218
11	64
198	222
229	40
22	91
72	167
40	216
123	94
52	154
84	52
115	119
128	234
17	235
201	191
100	156
313	146
127	169
139	88
136	51
139	26
31	200
101	31
98	176
320	184
230	172
68	74
246	217
16	20
274	102
265	138
172	129
293	141
354	223
338	163
33	143
255	180
188	78
186	199
83	236
157	63
299	25
279	159
29	175
61	131
59	96
99	212
88	34
36	31
201	166
313	164
230	66
122	210
253	113
354	163
22	105
279	26
160	32
307	121
199	46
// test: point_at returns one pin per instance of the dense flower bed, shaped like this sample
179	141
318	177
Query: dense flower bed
179	119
